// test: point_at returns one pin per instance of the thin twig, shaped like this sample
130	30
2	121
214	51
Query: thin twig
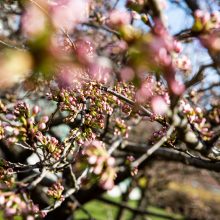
155	147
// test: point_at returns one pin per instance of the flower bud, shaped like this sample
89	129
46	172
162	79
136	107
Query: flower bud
42	126
36	110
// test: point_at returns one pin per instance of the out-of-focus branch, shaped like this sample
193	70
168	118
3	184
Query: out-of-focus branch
174	155
156	8
198	76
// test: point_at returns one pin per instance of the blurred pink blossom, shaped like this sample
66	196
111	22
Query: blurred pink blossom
68	13
183	63
177	47
159	105
118	18
177	87
127	74
33	21
100	70
84	50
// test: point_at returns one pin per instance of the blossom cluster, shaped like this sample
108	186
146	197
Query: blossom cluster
207	25
196	117
101	163
204	21
55	191
21	123
50	145
6	176
13	205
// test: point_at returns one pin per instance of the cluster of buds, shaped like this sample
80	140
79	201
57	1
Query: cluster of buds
55	191
87	106
120	127
163	45
183	63
101	163
196	117
23	123
208	26
155	51
158	134
129	160
12	205
6	176
204	21
154	94
50	144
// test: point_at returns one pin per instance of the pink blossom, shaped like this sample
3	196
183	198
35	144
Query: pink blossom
159	105
127	74
42	126
183	63
177	87
108	184
177	46
69	73
30	217
164	57
36	109
84	50
159	28
198	13
68	13
92	159
118	18
111	161
10	212
2	199
100	70
45	119
33	21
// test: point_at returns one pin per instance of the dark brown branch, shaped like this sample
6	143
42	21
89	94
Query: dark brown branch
135	210
174	155
197	78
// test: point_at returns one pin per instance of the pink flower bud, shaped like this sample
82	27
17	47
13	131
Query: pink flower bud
111	161
45	119
205	18
29	217
36	109
108	184
198	14
177	46
92	159
98	169
2	199
31	120
42	126
10	212
16	132
54	140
